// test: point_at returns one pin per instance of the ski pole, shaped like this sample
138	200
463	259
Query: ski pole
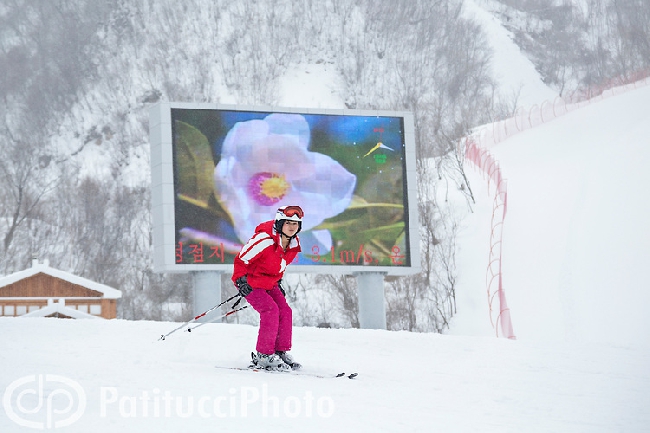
217	318
162	337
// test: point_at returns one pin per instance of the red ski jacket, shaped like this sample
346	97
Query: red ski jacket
262	259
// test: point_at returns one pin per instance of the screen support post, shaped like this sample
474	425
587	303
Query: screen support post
372	304
207	292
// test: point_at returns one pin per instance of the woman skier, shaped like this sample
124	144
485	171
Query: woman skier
258	271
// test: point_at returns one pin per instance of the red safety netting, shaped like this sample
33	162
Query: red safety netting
475	149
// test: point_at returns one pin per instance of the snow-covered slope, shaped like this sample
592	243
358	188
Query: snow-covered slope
575	240
515	75
407	381
311	86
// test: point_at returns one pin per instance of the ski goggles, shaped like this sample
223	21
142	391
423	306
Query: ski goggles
291	211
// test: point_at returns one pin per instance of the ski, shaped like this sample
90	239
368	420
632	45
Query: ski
292	372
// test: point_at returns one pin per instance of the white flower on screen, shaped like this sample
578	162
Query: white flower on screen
266	163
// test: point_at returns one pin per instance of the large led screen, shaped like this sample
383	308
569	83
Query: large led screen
350	172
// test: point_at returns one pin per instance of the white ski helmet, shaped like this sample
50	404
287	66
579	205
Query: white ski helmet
288	213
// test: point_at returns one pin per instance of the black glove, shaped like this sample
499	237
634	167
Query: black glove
244	288
281	288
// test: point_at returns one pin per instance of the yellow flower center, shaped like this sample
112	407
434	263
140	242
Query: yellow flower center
267	188
274	187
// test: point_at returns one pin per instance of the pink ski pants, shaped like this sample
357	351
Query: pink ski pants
275	320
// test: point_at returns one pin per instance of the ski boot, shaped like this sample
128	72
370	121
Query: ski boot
268	362
288	359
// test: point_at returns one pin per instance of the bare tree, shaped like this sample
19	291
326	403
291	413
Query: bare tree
27	176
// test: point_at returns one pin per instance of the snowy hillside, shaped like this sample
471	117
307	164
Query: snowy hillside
513	72
574	251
